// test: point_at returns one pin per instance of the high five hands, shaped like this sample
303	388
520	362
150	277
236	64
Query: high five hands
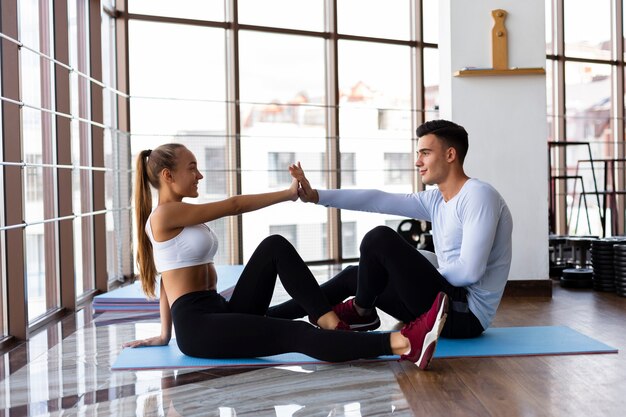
306	193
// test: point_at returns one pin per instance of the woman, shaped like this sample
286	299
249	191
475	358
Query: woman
174	241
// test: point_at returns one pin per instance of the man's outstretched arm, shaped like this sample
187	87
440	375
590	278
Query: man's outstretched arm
373	201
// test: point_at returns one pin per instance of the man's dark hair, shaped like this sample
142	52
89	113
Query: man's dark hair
452	135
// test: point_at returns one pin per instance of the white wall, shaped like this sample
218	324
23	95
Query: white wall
505	116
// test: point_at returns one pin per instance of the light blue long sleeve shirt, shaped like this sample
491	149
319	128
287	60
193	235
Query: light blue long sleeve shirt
471	233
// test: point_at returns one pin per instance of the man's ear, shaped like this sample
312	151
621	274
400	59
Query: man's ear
451	155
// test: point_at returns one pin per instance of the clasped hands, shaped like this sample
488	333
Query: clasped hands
306	193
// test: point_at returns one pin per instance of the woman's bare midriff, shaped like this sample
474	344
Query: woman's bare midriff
181	281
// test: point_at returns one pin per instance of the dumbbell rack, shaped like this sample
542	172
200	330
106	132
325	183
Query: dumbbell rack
580	275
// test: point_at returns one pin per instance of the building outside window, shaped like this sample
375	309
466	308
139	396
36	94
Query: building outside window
398	168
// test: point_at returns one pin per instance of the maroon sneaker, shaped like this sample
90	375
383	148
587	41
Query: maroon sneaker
348	314
424	331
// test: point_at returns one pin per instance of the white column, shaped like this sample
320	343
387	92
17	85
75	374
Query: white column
505	115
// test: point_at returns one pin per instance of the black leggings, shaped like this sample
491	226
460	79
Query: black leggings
208	326
399	280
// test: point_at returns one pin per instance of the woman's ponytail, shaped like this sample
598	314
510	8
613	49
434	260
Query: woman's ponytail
149	165
143	208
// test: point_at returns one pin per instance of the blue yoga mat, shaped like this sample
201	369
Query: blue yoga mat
501	341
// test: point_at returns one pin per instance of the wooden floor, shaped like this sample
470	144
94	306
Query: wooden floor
66	370
568	385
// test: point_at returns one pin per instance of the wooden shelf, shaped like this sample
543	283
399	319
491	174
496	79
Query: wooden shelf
482	72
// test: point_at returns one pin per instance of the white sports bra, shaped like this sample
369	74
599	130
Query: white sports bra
194	245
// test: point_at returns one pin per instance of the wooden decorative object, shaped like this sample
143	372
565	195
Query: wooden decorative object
499	41
499	53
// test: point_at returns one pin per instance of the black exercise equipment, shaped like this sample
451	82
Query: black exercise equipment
416	233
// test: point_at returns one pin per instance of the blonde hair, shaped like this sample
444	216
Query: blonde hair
149	165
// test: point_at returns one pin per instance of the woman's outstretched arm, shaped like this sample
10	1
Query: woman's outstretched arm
177	214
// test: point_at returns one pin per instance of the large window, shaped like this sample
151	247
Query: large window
585	85
282	91
38	144
61	230
116	162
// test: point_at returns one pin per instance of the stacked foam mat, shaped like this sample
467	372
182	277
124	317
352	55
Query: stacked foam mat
131	298
609	264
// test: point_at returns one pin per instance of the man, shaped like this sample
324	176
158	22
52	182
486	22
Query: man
471	227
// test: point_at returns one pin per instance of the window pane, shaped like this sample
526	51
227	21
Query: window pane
108	71
116	157
375	119
301	235
33	179
550	45
3	285
397	168
174	87
301	14
349	240
288	231
35	271
3	277
283	121
84	277
118	198
375	18
277	161
163	62
348	169
372	101
190	9
81	149
216	164
588	28
623	40
588	110
281	68
430	20
550	93
431	84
